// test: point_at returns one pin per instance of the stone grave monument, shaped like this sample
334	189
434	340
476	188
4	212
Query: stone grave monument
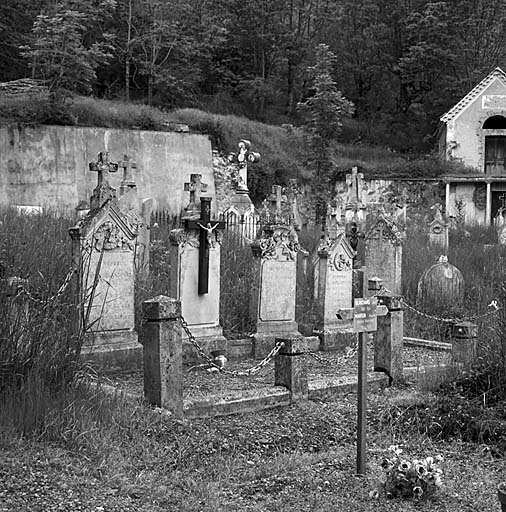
103	251
130	202
355	207
383	252
195	270
275	268
333	280
438	230
442	284
240	215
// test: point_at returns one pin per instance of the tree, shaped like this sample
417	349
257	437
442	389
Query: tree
323	111
58	53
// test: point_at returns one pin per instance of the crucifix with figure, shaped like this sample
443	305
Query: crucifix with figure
103	191
206	228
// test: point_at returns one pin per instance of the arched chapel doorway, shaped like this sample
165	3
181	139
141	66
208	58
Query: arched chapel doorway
495	145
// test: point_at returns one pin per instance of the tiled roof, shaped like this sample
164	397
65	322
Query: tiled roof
470	96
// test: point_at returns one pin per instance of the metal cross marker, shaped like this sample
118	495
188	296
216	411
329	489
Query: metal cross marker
195	187
206	227
128	180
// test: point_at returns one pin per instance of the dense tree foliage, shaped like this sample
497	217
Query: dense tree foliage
401	62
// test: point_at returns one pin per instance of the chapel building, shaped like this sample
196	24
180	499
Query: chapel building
474	132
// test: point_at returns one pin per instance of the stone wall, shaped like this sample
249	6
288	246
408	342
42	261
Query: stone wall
48	165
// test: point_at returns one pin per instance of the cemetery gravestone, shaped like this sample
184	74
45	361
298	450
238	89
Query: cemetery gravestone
383	252
103	249
195	271
442	284
275	267
333	273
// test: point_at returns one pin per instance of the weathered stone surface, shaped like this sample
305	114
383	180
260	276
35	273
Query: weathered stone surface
161	308
296	345
388	344
47	165
163	364
277	291
291	371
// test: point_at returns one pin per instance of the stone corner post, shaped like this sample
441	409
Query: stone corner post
388	342
162	351
290	367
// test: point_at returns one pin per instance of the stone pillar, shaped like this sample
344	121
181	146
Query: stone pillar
464	336
290	367
488	208
163	358
447	200
388	339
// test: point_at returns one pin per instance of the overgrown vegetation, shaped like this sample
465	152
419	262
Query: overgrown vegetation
46	394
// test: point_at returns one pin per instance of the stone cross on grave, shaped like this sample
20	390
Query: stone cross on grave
195	187
276	200
128	180
354	182
206	227
103	192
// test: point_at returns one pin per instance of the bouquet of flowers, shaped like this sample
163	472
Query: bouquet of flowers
411	479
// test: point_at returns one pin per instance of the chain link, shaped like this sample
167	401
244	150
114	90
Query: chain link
235	373
450	320
336	362
22	290
443	319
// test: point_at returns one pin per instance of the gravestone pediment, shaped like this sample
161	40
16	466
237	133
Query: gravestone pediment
108	228
338	251
386	230
277	243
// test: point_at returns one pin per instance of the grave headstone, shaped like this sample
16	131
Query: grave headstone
333	274
130	203
383	252
195	274
103	250
438	230
275	268
441	283
241	216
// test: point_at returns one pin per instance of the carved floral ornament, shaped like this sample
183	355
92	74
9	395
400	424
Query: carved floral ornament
386	231
283	244
109	236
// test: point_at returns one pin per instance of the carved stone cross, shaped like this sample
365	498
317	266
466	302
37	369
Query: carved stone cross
354	181
277	199
206	227
128	180
103	191
195	187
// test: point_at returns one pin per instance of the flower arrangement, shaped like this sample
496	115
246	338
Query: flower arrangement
411	479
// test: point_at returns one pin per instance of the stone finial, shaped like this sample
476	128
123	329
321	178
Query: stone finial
195	186
103	192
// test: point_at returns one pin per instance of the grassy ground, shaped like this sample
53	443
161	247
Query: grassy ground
299	458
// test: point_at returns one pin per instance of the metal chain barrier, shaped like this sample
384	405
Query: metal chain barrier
493	304
22	290
336	362
235	373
